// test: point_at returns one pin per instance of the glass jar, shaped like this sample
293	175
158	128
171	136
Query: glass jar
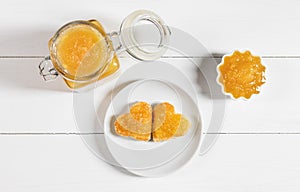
83	53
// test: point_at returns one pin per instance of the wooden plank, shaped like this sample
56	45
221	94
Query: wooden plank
30	105
267	27
236	163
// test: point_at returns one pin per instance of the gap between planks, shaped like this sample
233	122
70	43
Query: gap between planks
165	57
233	133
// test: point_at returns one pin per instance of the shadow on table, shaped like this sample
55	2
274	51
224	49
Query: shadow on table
21	55
22	42
24	74
207	75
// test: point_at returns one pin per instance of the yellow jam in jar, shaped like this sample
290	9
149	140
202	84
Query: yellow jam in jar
241	74
81	50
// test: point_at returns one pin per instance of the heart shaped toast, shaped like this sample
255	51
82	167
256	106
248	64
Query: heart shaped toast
136	124
142	124
167	123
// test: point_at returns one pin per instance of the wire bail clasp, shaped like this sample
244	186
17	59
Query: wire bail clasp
47	70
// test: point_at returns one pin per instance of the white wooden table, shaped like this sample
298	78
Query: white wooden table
257	148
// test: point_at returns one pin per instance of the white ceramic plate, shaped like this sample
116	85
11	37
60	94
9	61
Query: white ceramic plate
153	158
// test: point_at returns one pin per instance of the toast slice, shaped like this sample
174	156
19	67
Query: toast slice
136	124
168	124
183	127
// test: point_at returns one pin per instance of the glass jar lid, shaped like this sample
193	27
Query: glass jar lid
128	38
